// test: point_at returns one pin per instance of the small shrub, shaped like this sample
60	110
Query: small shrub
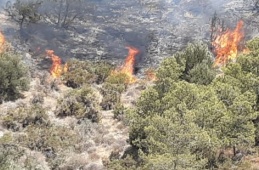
118	111
114	155
117	78
80	103
80	73
109	100
37	99
102	71
21	117
54	85
127	163
49	140
112	89
9	156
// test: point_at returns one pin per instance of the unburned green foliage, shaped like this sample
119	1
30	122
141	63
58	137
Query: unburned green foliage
86	72
14	77
111	90
80	103
21	117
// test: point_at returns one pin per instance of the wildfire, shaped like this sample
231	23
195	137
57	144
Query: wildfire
2	42
226	44
56	69
128	67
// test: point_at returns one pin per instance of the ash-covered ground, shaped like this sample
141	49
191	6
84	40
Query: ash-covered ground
158	28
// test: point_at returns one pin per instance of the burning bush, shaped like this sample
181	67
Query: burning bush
80	103
13	75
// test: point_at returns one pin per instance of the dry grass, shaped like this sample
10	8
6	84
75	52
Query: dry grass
94	156
94	166
75	161
96	141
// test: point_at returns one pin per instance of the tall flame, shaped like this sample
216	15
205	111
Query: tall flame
128	66
56	69
2	42
227	46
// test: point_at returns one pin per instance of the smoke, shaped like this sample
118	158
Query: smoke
3	3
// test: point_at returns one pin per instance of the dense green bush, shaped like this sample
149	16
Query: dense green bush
111	90
14	77
79	73
102	70
194	64
86	72
81	103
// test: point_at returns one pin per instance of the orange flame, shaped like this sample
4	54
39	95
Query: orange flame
56	69
128	67
227	44
2	42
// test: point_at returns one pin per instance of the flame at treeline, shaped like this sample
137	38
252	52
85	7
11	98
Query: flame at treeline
57	69
227	44
128	66
2	42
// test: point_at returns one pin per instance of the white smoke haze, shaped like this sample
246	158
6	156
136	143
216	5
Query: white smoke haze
3	3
